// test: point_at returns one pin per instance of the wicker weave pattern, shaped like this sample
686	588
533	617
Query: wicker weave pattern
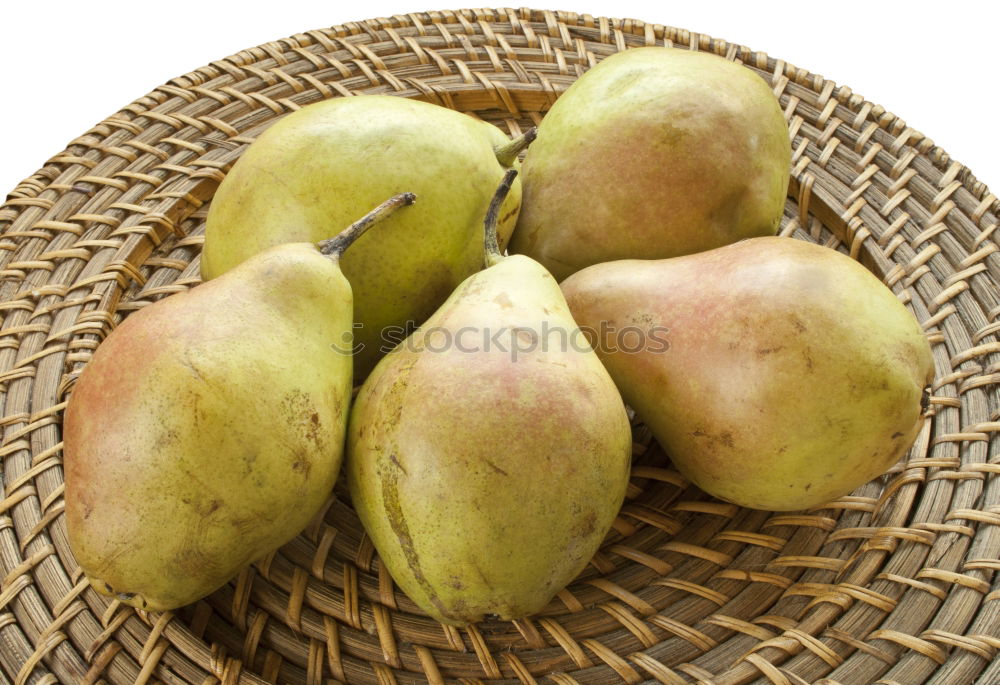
895	583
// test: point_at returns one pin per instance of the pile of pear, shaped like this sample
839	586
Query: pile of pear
466	351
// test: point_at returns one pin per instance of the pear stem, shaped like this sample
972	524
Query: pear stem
508	152
493	254
335	246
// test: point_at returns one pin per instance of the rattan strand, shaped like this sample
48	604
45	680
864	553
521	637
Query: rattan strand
894	583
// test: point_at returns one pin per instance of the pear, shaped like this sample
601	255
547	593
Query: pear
326	164
777	374
488	454
655	152
208	428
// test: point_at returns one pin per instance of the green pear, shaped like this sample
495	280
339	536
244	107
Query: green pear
208	428
488	454
655	152
326	164
777	374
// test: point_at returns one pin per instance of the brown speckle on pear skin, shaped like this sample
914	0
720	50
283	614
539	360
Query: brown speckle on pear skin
504	301
395	461
765	351
397	521
495	468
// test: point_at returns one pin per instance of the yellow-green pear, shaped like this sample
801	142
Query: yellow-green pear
655	152
321	167
488	454
208	428
777	374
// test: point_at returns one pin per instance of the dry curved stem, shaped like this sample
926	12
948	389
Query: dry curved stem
493	254
335	246
508	152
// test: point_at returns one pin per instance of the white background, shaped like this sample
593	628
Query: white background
64	66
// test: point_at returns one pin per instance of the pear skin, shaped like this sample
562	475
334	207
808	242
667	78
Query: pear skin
319	168
655	152
792	375
488	477
208	428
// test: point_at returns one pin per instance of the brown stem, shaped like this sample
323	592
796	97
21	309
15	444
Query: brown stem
508	152
335	246
493	254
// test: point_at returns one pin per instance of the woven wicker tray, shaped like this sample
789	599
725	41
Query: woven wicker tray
895	583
